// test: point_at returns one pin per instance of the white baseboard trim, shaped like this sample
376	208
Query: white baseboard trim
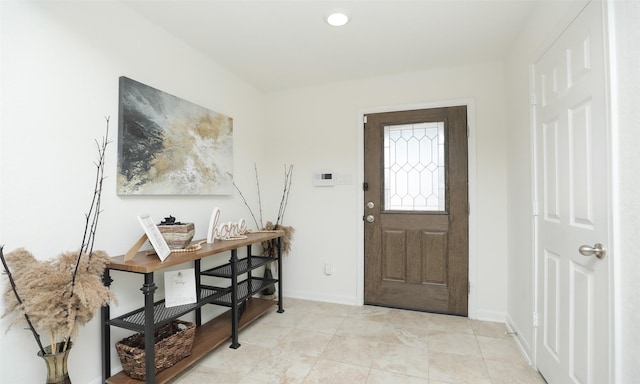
486	315
314	296
523	345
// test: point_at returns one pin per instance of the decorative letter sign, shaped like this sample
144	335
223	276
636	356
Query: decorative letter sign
224	231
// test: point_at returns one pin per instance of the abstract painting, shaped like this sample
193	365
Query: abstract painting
170	146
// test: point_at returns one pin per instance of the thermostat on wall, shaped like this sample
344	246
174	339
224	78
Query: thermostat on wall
324	179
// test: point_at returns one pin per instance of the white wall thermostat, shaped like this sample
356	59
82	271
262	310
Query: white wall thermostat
324	179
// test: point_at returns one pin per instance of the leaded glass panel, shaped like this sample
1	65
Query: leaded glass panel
414	168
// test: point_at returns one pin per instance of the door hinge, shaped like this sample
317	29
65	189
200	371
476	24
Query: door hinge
535	209
365	119
535	319
533	98
365	186
467	131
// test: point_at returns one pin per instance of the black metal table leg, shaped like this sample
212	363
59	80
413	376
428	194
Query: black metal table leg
198	293
105	329
280	309
148	290
234	299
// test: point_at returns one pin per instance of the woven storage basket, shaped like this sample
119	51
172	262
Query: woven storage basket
177	236
173	342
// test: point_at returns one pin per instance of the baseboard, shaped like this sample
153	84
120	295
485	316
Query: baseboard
347	300
523	345
485	315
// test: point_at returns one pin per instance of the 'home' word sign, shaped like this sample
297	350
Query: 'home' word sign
224	231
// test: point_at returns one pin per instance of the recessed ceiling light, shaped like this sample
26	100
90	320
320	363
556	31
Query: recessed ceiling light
337	18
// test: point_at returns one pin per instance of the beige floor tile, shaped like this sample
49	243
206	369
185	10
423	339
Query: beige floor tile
369	312
327	371
305	342
237	361
291	317
401	359
360	328
385	377
318	307
508	373
282	366
456	324
313	342
502	349
350	350
403	318
247	380
458	369
456	343
321	322
488	329
266	336
417	337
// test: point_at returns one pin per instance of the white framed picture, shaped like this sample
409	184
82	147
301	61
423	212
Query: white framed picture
179	287
155	237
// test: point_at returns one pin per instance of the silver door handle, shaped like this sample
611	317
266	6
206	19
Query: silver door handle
370	218
598	250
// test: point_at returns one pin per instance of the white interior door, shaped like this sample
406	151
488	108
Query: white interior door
572	184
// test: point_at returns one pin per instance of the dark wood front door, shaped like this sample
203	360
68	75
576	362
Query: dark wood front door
416	210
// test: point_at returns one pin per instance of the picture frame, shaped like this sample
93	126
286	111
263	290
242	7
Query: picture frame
154	236
170	146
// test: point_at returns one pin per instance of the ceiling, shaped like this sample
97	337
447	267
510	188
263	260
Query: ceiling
275	44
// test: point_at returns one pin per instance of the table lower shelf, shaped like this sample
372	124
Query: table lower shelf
207	338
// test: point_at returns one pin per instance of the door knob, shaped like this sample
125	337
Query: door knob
370	218
597	250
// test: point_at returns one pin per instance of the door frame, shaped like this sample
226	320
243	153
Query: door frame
471	143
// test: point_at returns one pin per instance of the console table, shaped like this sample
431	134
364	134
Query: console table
210	335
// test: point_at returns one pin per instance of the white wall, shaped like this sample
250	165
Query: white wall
317	128
59	71
625	62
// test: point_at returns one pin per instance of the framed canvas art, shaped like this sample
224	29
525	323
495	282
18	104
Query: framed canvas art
170	146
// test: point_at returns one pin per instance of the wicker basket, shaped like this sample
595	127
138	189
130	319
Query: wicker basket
173	342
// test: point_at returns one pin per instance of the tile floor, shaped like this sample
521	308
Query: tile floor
313	342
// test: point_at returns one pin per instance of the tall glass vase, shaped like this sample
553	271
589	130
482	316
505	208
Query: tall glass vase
57	372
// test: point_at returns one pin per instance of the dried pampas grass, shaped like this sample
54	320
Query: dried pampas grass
45	288
269	248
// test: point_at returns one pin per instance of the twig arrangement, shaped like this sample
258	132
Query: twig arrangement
61	294
269	247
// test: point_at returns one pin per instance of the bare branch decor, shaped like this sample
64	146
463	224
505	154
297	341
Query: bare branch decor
269	248
61	294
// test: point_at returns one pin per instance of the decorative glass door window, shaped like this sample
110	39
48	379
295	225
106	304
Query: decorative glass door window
414	167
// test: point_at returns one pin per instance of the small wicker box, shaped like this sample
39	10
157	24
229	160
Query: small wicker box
173	342
177	236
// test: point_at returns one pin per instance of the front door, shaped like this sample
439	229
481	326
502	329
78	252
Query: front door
572	181
416	210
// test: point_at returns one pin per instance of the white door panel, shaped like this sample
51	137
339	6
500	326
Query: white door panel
572	176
